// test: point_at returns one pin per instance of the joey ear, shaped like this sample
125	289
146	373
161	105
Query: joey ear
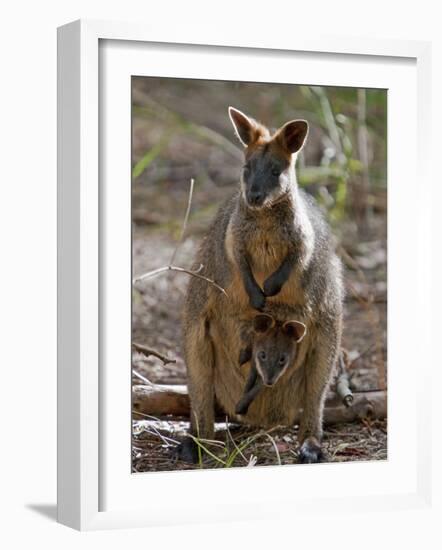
292	135
295	329
245	127
262	323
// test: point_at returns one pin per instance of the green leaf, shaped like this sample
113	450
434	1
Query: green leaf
355	165
315	174
147	159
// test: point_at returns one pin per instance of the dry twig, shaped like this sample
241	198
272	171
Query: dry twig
343	381
185	221
196	273
146	351
361	354
171	267
278	457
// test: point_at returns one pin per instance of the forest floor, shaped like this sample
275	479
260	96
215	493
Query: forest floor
156	322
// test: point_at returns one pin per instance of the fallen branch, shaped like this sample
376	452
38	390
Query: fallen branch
366	405
164	400
161	400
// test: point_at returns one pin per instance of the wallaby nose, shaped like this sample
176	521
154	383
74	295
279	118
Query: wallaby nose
256	196
268	380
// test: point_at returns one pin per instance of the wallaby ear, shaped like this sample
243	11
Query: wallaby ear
292	135
295	329
262	323
245	127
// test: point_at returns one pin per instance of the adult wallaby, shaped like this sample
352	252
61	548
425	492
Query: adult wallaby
269	246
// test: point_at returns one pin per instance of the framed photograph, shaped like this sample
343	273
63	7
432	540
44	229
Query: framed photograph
235	222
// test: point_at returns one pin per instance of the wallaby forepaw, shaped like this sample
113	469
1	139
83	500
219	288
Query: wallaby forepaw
187	451
271	287
258	301
241	408
311	452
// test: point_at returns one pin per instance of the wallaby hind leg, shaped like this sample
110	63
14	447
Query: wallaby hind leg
199	359
318	369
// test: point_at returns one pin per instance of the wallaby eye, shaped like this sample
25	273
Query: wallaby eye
262	355
276	172
246	168
282	359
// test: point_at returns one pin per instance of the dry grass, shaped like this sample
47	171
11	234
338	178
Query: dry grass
154	443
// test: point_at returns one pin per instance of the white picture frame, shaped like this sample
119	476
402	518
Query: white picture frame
83	438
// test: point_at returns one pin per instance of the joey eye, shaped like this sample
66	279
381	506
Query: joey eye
262	355
276	172
282	359
246	169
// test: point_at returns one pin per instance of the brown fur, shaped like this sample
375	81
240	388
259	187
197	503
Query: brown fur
266	142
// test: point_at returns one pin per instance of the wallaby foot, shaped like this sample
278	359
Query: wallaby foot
187	451
311	452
